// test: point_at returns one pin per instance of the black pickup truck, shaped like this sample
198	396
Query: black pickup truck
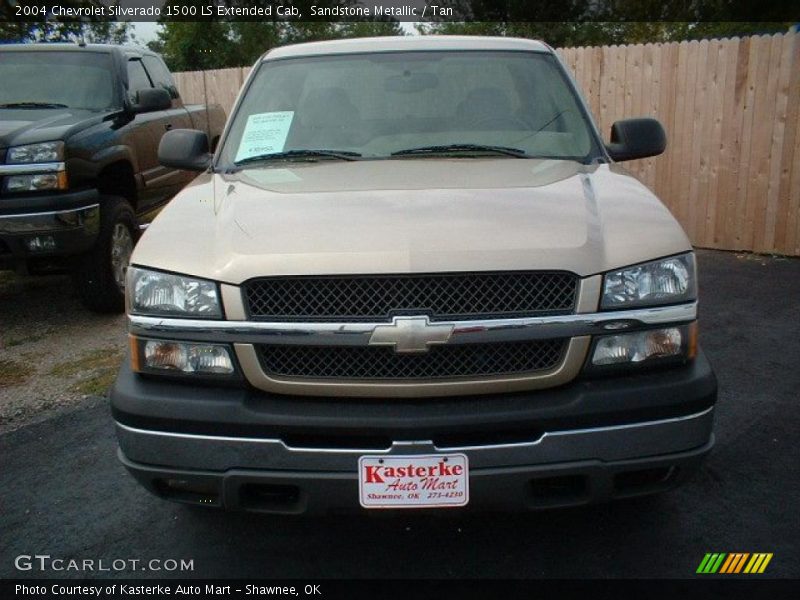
80	127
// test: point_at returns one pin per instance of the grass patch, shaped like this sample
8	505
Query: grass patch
102	358
11	342
14	373
95	371
97	385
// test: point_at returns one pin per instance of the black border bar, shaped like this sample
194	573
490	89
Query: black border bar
430	11
752	587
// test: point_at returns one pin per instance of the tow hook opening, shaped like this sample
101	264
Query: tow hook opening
642	481
192	491
558	490
270	497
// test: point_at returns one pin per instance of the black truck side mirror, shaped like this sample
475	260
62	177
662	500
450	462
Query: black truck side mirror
151	100
636	138
185	149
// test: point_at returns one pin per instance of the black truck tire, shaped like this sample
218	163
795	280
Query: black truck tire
97	273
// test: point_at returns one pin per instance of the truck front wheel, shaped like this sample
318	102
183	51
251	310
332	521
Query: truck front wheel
99	275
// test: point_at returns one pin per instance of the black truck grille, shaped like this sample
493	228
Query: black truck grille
455	296
380	363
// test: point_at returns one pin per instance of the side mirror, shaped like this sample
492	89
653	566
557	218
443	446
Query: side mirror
185	149
152	99
636	138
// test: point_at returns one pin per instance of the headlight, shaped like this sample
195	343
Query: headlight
36	153
36	182
665	281
168	357
652	346
164	294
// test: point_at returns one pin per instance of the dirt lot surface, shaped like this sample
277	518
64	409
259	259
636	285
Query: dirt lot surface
54	353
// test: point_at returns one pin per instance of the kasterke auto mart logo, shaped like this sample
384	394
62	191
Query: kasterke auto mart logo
413	481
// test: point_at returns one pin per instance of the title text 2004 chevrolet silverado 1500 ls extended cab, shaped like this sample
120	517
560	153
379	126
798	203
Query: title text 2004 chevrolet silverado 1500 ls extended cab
79	170
412	276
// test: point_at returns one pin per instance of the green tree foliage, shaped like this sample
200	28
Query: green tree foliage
191	46
93	31
370	28
603	33
216	44
53	31
251	40
632	11
565	23
196	45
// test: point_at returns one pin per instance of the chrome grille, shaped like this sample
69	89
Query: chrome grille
448	296
378	363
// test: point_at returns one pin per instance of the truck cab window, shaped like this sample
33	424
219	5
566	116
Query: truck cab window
137	78
160	75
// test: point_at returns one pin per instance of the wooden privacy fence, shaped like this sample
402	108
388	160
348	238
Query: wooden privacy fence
731	172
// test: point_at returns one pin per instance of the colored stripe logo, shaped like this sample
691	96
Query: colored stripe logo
734	562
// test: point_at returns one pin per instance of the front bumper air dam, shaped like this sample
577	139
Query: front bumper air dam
68	230
589	441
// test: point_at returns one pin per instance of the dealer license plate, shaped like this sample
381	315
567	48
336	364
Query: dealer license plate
417	481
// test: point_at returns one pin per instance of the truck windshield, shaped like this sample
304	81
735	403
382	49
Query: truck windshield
411	105
45	79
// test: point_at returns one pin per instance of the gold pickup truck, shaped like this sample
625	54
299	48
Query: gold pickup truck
412	276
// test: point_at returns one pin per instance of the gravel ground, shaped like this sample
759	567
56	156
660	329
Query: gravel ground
54	353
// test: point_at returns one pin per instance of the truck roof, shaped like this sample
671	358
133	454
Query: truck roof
128	50
407	43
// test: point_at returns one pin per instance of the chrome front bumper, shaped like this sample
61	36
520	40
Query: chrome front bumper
50	226
87	217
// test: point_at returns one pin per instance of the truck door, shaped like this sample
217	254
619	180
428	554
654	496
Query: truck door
143	133
176	117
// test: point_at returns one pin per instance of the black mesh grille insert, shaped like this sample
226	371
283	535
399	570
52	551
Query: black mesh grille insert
359	362
442	296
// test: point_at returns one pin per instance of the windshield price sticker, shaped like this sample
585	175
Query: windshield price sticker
427	481
265	133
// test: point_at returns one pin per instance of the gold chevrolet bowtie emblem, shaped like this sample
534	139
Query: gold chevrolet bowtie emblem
410	334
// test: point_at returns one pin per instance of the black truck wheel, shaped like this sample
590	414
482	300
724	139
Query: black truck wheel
99	275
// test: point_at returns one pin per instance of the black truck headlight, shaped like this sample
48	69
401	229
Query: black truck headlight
35	182
154	293
36	153
666	281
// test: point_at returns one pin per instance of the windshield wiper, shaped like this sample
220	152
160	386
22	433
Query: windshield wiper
33	105
448	148
289	154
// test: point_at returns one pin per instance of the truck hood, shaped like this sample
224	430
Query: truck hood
410	215
29	126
